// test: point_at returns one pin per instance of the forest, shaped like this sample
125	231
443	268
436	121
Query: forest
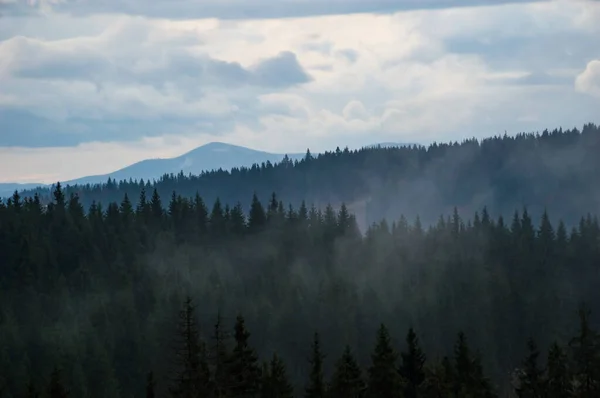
549	170
176	296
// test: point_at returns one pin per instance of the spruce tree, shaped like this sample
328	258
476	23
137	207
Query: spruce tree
275	382
150	386
191	377
218	356
558	383
383	378
31	392
464	378
244	371
347	380
412	365
56	388
437	382
531	376
257	217
316	381
585	350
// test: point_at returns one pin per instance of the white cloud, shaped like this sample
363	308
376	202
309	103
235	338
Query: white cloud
588	81
113	83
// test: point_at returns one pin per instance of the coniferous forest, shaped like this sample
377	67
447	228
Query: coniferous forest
187	295
552	170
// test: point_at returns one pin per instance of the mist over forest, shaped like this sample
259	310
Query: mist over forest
548	170
457	270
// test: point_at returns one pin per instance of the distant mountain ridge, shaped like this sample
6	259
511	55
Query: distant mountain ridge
211	156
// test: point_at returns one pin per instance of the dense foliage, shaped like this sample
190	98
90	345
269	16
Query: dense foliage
93	299
550	170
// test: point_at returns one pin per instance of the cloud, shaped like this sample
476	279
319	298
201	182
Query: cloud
588	81
280	71
115	82
349	54
87	59
134	79
237	9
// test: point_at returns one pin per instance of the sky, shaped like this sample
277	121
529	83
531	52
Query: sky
90	86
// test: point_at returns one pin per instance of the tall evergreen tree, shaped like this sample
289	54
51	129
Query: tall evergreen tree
347	380
31	392
558	383
585	350
244	371
150	386
56	388
531	376
412	365
219	359
191	377
275	380
383	378
316	379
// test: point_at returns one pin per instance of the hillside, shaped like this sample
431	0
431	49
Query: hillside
103	296
8	188
212	156
551	170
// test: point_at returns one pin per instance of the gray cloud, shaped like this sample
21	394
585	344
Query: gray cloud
34	60
24	128
557	49
239	9
544	79
536	78
319	47
349	54
124	78
280	71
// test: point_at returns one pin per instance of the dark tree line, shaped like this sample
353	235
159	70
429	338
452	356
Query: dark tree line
233	369
550	170
94	294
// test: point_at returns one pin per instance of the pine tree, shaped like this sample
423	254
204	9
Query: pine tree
437	383
156	208
150	386
275	380
143	209
217	223
586	358
464	376
412	366
201	215
347	380
56	389
383	378
316	380
191	379
237	220
531	376
257	217
558	384
219	359
31	392
244	371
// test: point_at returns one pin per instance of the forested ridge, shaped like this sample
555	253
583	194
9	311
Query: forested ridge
548	170
93	299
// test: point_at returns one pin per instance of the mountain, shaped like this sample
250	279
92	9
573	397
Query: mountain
8	188
551	170
212	156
